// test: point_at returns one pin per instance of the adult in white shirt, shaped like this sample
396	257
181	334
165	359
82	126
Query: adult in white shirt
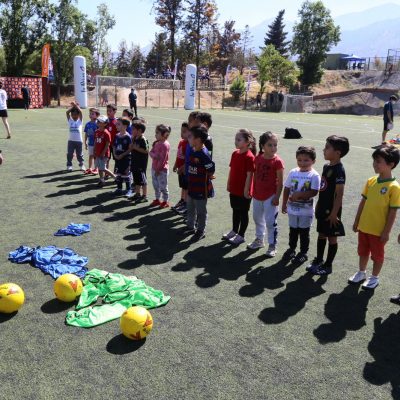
3	109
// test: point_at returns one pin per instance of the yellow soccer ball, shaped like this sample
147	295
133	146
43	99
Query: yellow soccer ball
68	287
11	298
136	323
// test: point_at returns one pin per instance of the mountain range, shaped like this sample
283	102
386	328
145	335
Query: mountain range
366	33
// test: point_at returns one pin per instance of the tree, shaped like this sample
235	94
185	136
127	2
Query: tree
169	17
201	15
104	23
123	59
158	54
274	68
237	88
228	41
136	58
313	37
23	24
246	49
277	36
66	28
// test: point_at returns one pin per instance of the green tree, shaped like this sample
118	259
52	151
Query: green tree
137	58
123	59
169	17
157	58
200	16
23	24
66	29
104	23
314	35
277	36
275	69
237	88
227	47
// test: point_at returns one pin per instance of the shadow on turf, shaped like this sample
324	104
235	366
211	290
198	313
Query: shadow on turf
293	299
215	265
121	345
271	277
161	240
384	347
7	317
55	306
47	175
346	311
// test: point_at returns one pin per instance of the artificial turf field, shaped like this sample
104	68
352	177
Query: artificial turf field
238	326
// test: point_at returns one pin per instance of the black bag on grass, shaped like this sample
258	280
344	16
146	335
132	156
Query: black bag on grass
292	133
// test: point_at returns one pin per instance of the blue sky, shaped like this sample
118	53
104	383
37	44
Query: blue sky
135	23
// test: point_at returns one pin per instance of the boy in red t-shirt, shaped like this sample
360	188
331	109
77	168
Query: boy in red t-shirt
111	127
102	141
179	168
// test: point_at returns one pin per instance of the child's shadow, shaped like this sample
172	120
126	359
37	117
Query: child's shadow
346	311
160	241
293	299
384	347
215	265
271	277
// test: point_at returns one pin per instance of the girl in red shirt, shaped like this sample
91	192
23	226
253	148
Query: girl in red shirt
268	184
240	185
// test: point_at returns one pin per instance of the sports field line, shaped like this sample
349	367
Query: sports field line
256	131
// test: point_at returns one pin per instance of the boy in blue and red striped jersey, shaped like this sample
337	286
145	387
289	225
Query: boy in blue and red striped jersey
200	171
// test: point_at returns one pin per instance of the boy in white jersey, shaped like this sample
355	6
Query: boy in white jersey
75	142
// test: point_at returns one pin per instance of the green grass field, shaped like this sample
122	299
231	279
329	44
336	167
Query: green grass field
238	326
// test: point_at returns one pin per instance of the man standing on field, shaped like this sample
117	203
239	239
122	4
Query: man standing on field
388	116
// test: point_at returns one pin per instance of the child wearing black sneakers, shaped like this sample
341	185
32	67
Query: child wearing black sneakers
329	206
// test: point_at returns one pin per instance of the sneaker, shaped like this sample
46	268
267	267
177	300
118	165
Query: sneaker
198	236
88	171
289	254
69	169
315	264
395	299
178	204
299	259
228	235
137	196
101	183
117	192
358	277
371	283
82	167
256	244
271	252
236	240
164	204
324	269
129	194
181	210
94	171
143	199
155	203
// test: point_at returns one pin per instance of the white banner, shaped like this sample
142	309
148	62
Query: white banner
80	81
190	86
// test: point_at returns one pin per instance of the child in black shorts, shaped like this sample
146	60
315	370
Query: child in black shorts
329	206
140	157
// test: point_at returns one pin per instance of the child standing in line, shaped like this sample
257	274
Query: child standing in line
74	118
205	119
201	169
140	156
301	186
240	185
268	185
127	113
179	168
122	157
102	141
329	206
159	170
376	215
111	128
90	129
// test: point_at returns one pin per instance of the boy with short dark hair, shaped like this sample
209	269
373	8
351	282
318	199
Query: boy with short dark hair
329	206
90	129
376	215
122	157
140	157
74	118
127	113
111	123
301	186
205	119
201	168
